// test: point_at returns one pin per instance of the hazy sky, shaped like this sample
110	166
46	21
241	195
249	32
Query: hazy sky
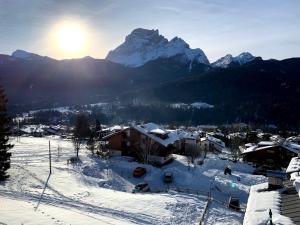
267	28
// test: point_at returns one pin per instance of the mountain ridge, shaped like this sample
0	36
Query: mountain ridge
142	46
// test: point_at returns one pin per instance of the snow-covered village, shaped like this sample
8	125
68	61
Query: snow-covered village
149	174
149	112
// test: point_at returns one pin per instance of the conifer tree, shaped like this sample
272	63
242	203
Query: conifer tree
4	137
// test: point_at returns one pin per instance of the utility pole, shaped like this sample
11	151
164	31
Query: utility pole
50	158
270	214
19	132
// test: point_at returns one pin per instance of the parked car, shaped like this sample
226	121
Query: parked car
141	187
139	171
168	177
234	203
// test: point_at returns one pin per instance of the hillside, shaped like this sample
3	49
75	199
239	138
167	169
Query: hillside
260	91
79	81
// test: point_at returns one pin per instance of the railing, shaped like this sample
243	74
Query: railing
205	210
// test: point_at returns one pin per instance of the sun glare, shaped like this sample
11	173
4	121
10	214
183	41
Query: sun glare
71	38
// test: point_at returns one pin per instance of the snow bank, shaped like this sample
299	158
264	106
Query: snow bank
260	202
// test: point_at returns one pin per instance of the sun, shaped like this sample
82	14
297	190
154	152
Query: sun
71	38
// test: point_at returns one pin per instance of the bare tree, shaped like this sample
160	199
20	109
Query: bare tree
234	146
80	132
144	149
145	152
192	152
91	144
77	142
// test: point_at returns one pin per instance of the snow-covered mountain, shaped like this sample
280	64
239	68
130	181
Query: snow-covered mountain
142	46
241	59
21	54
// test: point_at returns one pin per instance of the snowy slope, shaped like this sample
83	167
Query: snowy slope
98	191
21	54
241	59
144	45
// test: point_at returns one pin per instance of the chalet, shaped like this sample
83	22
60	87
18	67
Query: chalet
275	154
103	132
266	205
186	138
32	130
281	206
55	130
290	201
210	143
148	142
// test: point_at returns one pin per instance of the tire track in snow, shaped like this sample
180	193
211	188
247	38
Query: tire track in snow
67	202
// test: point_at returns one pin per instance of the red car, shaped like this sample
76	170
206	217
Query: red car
139	171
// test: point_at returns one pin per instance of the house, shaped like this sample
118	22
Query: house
32	130
264	205
210	143
290	201
103	132
148	142
275	154
116	128
54	130
186	138
282	206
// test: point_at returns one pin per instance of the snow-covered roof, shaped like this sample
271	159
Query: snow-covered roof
266	143
113	132
158	131
293	138
241	135
257	212
33	128
117	128
147	129
249	145
297	185
215	140
188	135
294	165
275	137
261	134
291	146
249	149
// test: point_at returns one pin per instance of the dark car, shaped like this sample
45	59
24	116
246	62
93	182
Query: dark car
141	187
139	171
234	203
168	177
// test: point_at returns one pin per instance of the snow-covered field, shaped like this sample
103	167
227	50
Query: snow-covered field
98	191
